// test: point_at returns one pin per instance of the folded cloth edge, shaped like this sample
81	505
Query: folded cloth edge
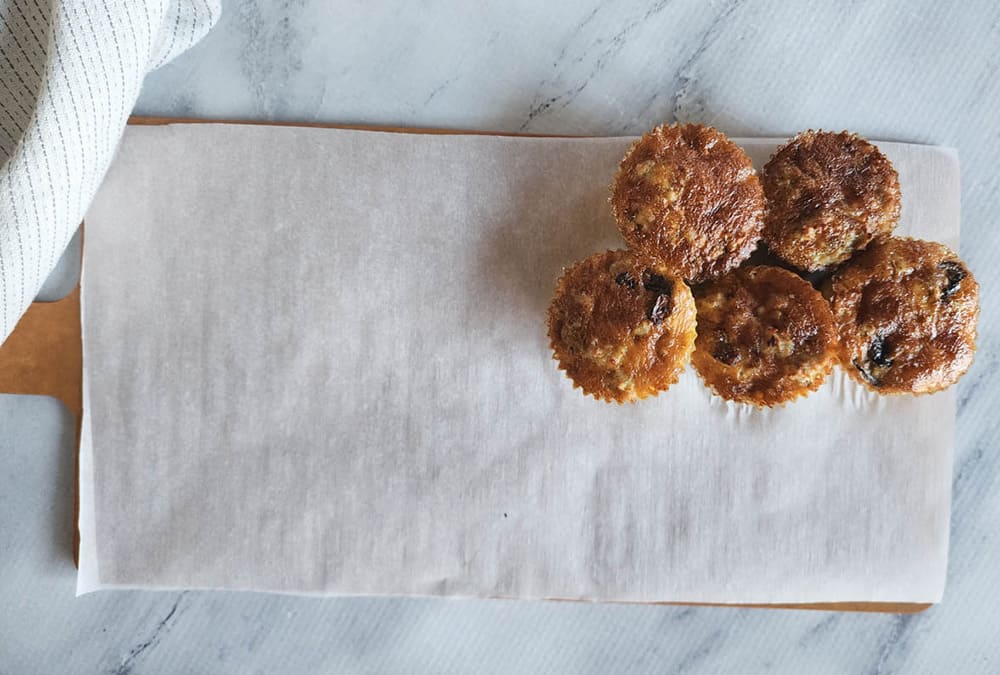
73	74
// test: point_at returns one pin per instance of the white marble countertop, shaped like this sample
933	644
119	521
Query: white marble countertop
911	71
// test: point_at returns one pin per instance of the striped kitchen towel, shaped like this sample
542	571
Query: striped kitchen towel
70	73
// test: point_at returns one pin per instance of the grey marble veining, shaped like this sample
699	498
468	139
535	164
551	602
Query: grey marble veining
913	71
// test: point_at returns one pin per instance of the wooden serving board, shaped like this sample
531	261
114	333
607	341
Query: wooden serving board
43	356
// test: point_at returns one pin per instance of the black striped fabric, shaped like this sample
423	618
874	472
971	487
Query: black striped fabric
70	73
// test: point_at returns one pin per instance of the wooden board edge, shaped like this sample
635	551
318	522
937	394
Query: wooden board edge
145	120
43	355
843	606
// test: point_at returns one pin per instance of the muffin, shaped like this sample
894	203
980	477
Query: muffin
765	336
621	326
688	196
828	195
906	311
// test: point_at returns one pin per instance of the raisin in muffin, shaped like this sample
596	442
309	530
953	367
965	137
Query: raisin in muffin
906	310
621	326
765	336
828	194
688	196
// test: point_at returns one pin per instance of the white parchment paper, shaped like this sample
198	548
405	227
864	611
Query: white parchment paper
316	362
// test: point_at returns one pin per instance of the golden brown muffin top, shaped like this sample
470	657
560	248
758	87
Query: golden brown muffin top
687	195
765	336
621	326
828	194
906	310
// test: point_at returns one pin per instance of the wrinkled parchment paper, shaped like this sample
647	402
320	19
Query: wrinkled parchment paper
316	362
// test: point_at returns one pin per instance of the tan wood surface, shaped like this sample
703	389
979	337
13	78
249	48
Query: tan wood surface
43	355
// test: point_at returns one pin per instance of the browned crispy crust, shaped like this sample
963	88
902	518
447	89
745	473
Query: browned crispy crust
621	326
765	336
906	310
687	195
828	194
